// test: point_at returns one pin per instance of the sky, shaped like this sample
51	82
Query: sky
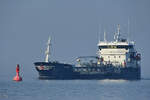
75	27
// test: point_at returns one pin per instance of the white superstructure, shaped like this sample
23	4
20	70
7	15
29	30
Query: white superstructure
120	52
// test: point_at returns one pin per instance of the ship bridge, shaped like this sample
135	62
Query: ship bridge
117	52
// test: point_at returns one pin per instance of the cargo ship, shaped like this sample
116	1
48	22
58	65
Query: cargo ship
117	59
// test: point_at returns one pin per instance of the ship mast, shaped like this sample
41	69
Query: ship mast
128	30
117	35
105	36
47	52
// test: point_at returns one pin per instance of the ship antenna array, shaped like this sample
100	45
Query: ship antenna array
117	34
128	30
105	36
99	33
47	52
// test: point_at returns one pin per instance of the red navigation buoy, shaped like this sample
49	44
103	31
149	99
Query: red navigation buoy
17	77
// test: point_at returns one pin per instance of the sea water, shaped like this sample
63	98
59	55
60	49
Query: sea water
35	89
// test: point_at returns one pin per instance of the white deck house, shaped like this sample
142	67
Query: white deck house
119	52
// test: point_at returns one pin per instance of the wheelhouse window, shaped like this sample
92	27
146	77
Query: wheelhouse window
116	46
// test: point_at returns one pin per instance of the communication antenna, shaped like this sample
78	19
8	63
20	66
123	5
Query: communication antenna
98	33
128	30
105	36
115	35
118	33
